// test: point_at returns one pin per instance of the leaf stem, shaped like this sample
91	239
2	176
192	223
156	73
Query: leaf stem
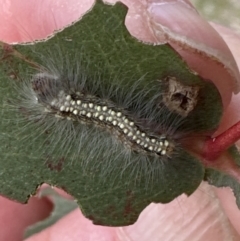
214	147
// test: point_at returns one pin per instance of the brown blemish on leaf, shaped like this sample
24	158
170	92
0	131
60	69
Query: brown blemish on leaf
128	207
180	98
55	166
7	50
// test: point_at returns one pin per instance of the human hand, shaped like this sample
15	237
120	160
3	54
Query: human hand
199	217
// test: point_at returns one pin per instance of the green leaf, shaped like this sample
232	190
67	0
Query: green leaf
234	152
219	178
101	43
62	207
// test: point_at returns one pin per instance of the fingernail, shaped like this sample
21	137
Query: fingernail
171	13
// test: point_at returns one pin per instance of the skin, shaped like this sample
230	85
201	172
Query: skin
208	214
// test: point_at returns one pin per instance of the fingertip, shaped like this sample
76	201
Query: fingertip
16	217
228	202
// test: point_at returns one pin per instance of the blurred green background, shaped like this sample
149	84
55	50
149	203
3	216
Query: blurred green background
225	12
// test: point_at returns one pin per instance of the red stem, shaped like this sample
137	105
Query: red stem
215	146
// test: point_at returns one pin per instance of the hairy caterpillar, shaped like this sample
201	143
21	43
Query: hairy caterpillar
65	102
